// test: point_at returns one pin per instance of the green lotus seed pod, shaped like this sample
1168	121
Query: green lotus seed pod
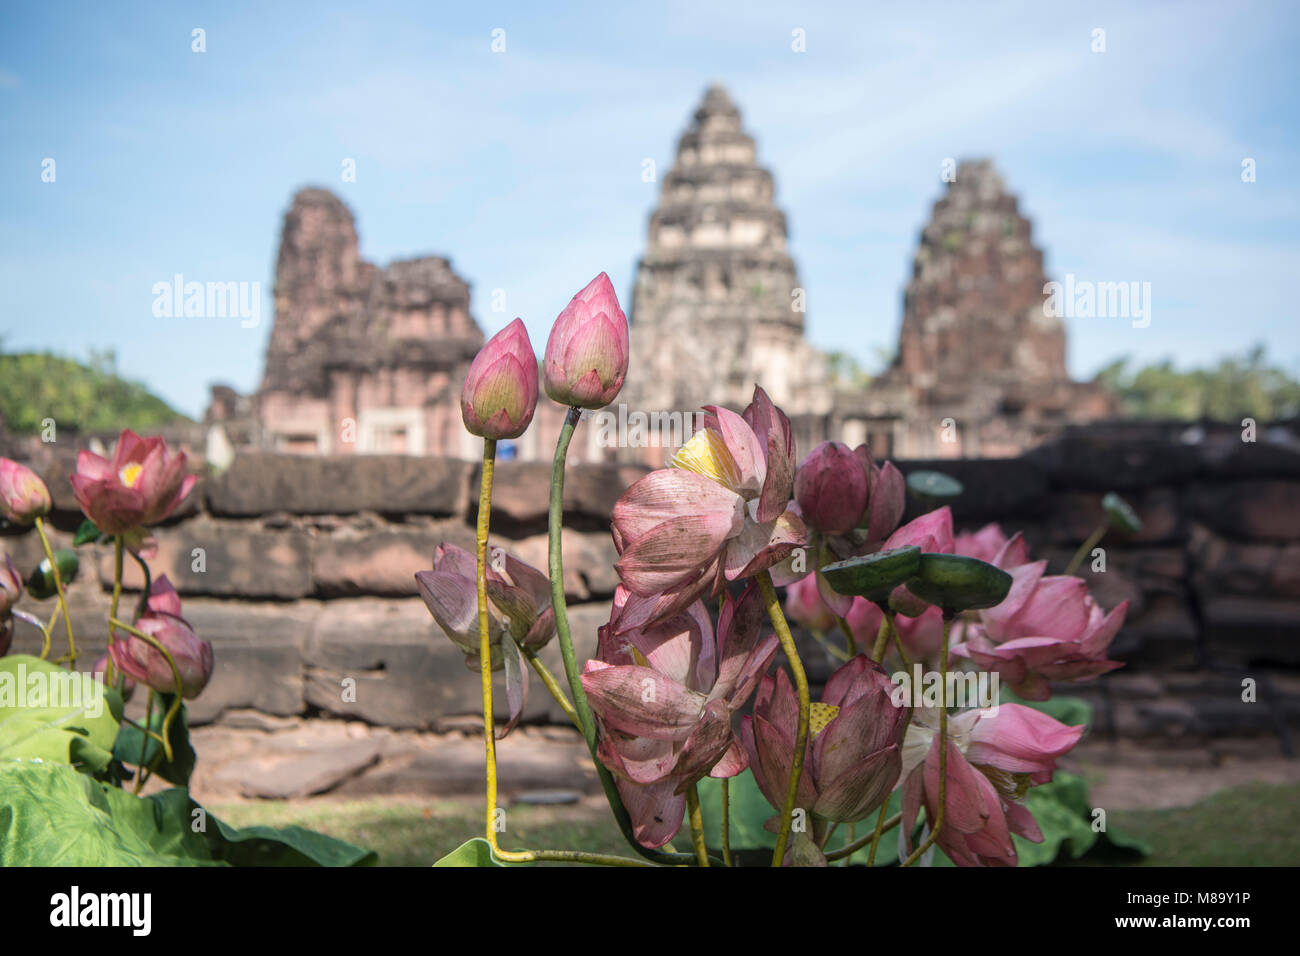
40	584
873	576
1121	515
933	486
956	583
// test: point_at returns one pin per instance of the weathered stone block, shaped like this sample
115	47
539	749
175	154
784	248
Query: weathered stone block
521	492
1239	628
257	483
406	672
1228	566
1264	510
224	559
1106	463
349	563
993	488
257	656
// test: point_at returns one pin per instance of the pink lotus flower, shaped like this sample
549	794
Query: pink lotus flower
11	589
721	512
23	496
991	545
587	352
162	621
665	696
519	610
1048	628
500	392
853	756
141	486
922	635
993	760
831	488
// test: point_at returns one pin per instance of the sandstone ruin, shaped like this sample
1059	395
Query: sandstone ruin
365	359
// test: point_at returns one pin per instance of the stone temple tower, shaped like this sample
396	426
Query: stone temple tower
718	306
973	309
980	366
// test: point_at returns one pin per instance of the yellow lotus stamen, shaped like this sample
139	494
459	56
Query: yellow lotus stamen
1011	785
706	454
131	474
819	715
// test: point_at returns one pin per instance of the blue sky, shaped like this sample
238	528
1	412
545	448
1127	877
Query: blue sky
525	166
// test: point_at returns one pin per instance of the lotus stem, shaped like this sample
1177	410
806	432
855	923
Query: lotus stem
943	749
882	826
110	671
898	640
882	640
485	675
58	585
697	824
839	653
850	641
552	685
801	734
587	723
726	821
36	622
484	640
1087	546
143	604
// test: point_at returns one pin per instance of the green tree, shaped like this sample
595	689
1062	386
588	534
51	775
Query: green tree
91	397
1238	386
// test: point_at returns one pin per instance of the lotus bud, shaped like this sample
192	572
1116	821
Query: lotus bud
500	393
831	488
139	659
23	496
587	351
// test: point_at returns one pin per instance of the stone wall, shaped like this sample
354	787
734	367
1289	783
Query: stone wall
300	572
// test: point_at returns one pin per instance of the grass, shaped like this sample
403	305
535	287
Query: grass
1256	824
1253	825
411	833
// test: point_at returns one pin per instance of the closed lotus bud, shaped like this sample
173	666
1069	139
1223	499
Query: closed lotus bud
23	496
500	393
139	659
831	488
587	352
